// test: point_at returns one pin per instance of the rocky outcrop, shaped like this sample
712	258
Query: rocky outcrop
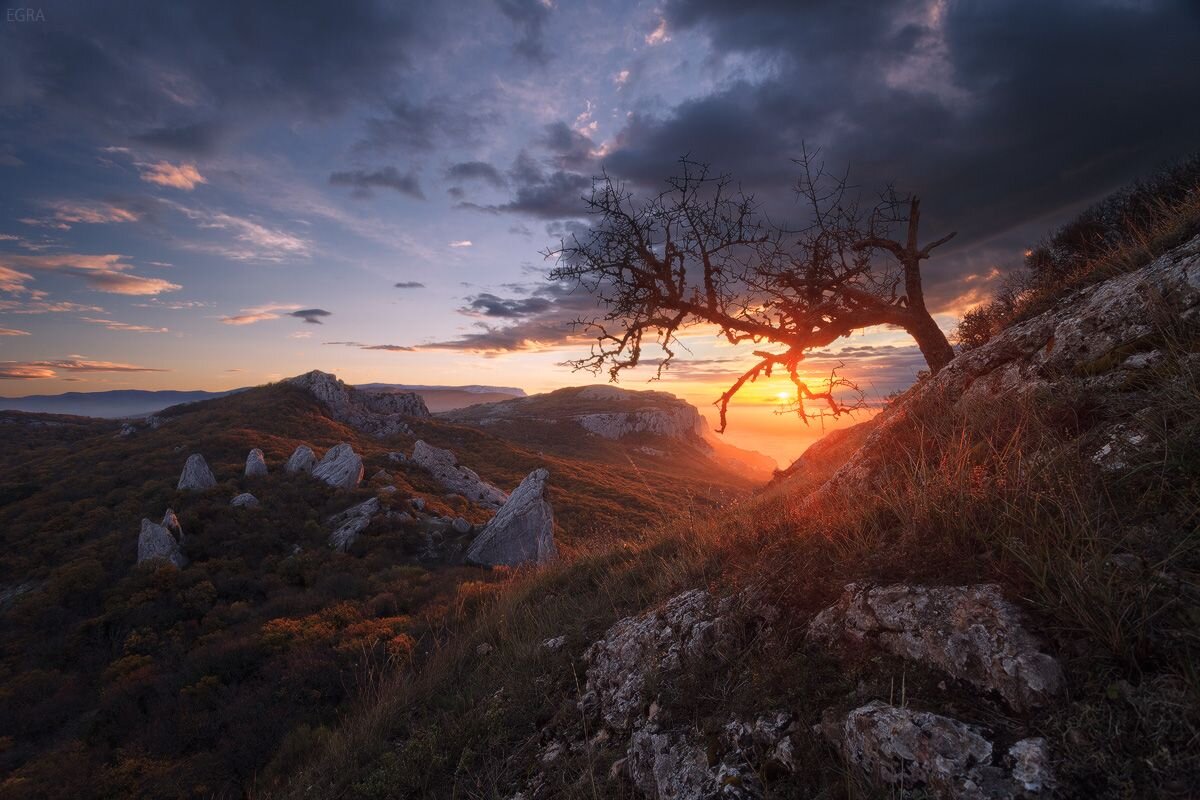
676	422
171	523
244	500
349	524
156	543
376	413
969	632
196	475
302	459
256	465
444	467
522	532
917	750
341	467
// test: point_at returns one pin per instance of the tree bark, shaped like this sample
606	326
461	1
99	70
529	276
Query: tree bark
929	337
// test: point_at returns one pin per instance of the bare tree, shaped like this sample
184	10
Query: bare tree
703	253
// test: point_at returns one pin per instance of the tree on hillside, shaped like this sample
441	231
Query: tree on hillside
703	253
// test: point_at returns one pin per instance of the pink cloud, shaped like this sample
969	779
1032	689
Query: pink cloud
164	173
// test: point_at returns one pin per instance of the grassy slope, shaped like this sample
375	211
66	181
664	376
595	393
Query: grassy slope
160	683
1106	564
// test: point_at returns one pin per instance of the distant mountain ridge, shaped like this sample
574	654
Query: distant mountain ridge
118	403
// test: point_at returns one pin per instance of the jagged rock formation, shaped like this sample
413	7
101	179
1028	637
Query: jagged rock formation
302	459
909	749
244	500
376	413
256	464
522	532
157	543
1092	341
444	467
350	523
969	632
196	475
341	467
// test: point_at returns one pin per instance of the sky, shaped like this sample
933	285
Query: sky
220	194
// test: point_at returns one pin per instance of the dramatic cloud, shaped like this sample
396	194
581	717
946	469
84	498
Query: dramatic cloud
27	370
249	316
489	305
529	16
476	171
113	325
104	273
1002	115
410	285
386	178
409	125
183	176
65	213
548	194
544	318
311	315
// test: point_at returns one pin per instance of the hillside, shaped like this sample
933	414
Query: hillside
990	592
210	680
615	426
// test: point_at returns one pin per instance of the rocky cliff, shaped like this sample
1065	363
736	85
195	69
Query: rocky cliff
382	413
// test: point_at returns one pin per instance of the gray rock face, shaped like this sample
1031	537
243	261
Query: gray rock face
196	475
303	459
678	421
256	464
522	532
376	413
445	469
341	467
244	500
460	525
970	632
156	543
350	523
171	523
908	749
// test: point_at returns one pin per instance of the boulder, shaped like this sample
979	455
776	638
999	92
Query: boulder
196	475
522	532
380	413
303	459
256	465
341	467
969	632
350	523
906	749
445	469
460	525
244	500
156	543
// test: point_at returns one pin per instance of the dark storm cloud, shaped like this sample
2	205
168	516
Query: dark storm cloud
477	171
545	317
1003	116
529	17
572	149
311	315
363	181
410	285
540	192
176	74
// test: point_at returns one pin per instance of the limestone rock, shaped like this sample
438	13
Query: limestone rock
303	459
244	500
445	469
156	543
341	467
379	413
256	465
350	523
685	630
460	525
970	632
669	764
909	749
522	532
680	420
196	475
